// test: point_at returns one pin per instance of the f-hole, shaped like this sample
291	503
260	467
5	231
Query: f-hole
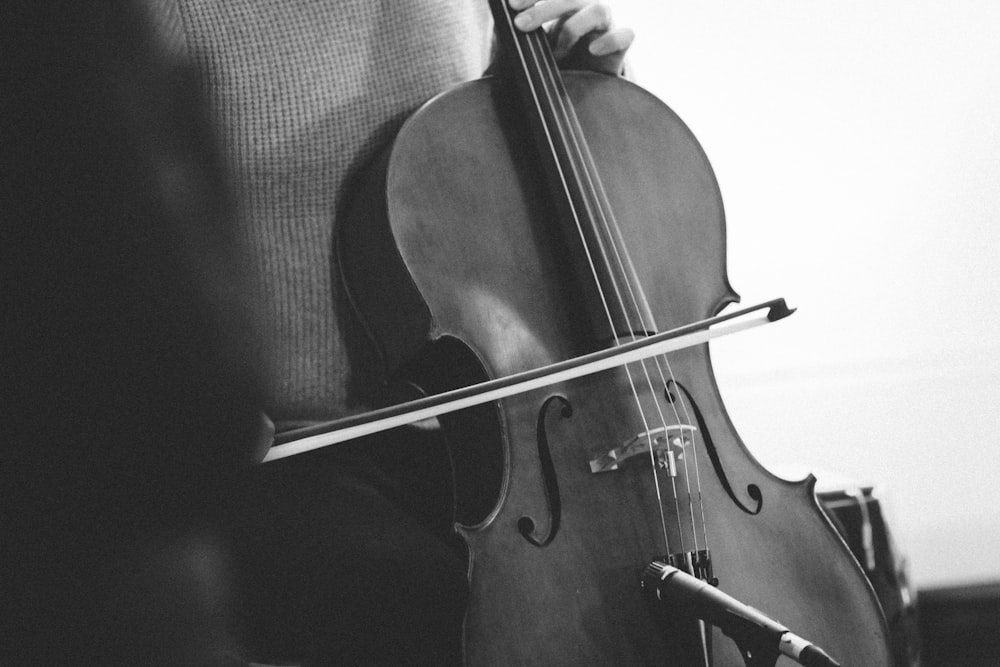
526	525
752	489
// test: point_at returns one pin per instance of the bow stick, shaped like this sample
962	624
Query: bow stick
301	440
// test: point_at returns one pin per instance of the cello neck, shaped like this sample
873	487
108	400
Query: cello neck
600	271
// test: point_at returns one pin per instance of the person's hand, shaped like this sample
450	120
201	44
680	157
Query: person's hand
580	29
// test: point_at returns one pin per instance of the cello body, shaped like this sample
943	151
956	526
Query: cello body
451	263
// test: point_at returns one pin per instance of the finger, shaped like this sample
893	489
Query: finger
521	5
594	18
539	13
613	41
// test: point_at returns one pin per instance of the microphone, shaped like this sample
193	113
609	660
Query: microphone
752	631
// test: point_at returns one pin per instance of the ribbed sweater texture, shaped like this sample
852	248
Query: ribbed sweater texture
304	95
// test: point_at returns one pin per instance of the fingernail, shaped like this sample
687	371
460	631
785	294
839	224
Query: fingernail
597	49
524	21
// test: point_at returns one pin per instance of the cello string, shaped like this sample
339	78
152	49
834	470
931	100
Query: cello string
615	228
627	268
671	463
536	48
543	55
562	177
544	61
567	109
620	247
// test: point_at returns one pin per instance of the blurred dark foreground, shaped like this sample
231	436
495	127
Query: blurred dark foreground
129	382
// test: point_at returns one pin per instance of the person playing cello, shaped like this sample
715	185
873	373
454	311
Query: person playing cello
304	96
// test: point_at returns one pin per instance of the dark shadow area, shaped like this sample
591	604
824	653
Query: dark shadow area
127	364
960	625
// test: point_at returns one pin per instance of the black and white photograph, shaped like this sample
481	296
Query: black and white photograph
500	332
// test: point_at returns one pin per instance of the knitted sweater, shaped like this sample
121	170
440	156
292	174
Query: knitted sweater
304	94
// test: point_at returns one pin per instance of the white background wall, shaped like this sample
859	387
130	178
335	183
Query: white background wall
857	145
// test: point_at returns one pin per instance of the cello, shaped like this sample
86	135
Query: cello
532	217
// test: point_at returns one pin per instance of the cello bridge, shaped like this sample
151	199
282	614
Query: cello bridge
668	444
